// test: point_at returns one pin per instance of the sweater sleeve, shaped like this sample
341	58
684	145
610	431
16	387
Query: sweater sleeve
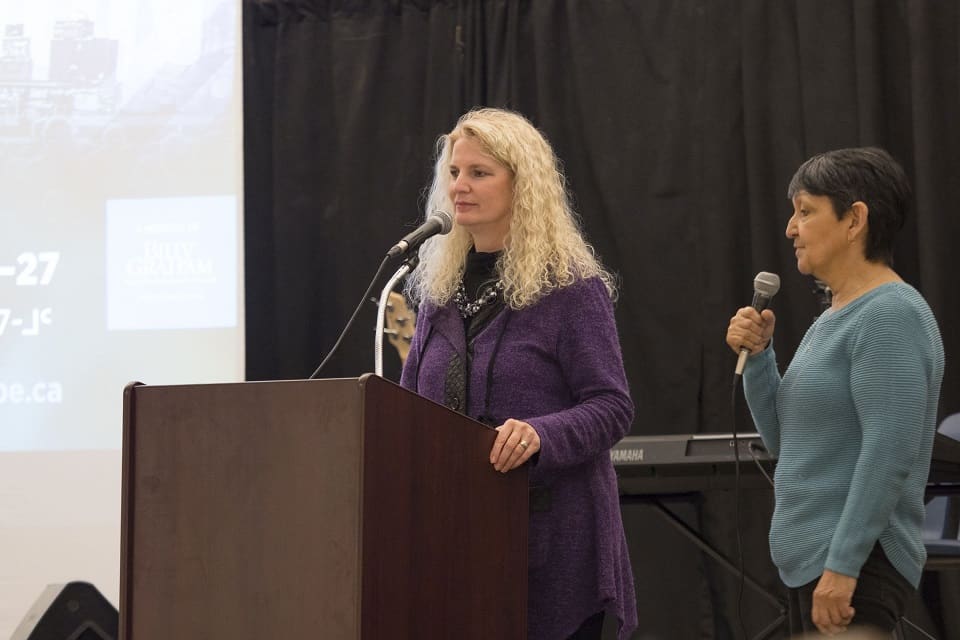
890	384
761	381
588	353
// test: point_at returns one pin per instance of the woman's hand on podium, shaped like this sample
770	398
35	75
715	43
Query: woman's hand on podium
515	443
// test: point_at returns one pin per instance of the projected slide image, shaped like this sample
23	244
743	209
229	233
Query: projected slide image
171	263
27	318
128	87
120	257
120	170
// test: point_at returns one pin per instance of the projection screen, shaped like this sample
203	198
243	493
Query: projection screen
120	257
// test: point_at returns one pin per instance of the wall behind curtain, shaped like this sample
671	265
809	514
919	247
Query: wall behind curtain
679	122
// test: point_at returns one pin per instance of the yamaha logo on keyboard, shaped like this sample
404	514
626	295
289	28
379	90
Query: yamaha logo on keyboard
626	455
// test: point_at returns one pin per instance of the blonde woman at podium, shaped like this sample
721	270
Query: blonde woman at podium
516	329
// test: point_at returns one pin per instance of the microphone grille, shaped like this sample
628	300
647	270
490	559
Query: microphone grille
766	283
446	220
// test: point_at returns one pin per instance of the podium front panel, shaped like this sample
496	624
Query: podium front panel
241	511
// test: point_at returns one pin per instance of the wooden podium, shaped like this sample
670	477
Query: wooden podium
337	509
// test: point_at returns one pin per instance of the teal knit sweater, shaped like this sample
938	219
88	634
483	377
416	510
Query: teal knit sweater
852	423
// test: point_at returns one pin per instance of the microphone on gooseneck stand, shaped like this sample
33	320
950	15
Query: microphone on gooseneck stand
439	223
765	286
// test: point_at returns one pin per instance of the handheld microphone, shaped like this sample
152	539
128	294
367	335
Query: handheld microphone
765	286
439	223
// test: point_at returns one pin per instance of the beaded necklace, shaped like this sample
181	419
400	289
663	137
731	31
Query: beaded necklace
469	308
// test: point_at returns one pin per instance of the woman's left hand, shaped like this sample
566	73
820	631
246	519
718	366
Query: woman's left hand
832	612
515	443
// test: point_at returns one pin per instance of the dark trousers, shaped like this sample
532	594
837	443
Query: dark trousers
878	601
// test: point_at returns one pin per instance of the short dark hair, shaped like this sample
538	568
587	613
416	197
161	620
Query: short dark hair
867	174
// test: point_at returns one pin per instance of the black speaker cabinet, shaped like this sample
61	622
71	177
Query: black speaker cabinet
72	611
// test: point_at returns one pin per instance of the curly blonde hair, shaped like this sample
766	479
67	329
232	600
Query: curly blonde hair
544	248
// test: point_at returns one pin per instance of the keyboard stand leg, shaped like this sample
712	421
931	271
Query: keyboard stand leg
698	540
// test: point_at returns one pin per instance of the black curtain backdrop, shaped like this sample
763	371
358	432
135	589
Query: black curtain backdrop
679	122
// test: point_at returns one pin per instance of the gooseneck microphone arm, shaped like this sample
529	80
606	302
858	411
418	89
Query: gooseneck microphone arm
363	300
439	223
408	265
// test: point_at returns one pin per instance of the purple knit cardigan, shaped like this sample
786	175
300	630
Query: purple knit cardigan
558	366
